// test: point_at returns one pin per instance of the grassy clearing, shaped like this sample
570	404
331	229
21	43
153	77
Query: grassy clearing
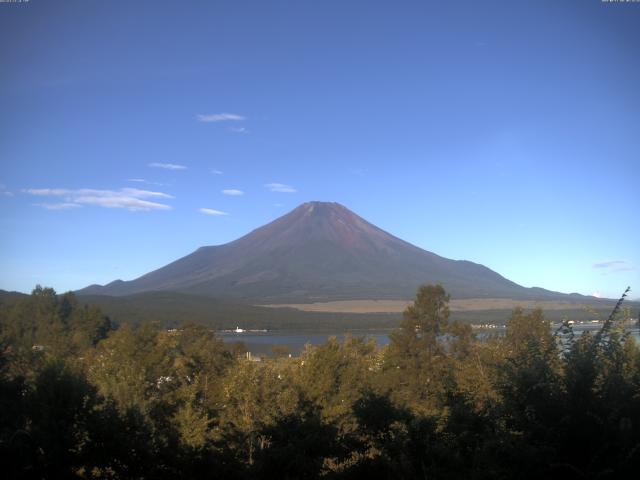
462	305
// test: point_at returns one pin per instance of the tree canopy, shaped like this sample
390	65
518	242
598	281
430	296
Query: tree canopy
83	398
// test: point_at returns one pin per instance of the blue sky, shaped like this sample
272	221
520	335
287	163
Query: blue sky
506	133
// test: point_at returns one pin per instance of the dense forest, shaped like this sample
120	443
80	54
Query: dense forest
80	398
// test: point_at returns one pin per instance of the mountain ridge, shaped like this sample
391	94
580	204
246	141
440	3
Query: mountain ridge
320	251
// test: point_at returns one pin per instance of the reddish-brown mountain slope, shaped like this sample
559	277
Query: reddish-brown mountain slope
319	251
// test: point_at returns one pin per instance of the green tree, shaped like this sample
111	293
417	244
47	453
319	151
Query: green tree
530	384
333	375
200	363
256	394
296	446
416	364
133	367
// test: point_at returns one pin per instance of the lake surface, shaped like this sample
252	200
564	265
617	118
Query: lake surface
262	342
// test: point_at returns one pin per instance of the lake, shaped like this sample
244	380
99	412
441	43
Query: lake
261	342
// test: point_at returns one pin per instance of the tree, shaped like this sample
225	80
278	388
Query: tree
530	383
602	404
255	396
200	364
296	446
132	366
334	374
416	362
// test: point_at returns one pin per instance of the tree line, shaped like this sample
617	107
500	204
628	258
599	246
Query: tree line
80	398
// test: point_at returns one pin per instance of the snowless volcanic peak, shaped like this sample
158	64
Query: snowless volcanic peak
315	222
319	251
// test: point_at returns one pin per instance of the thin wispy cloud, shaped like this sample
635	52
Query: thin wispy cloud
130	203
135	192
211	211
623	269
612	263
57	206
146	182
167	166
60	192
280	187
45	192
216	172
613	266
4	192
234	192
238	129
132	199
220	117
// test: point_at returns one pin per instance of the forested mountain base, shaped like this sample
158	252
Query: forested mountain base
80	399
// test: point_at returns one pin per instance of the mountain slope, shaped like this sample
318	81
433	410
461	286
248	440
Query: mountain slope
319	252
